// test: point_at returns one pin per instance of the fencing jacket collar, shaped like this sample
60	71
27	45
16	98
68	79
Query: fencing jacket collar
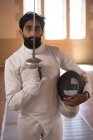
37	51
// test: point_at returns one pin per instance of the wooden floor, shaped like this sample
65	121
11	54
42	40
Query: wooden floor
74	129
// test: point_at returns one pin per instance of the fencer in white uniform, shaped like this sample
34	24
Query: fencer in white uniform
36	99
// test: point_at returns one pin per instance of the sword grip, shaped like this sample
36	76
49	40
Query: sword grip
40	73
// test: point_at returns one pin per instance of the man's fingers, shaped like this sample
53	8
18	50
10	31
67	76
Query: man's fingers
76	100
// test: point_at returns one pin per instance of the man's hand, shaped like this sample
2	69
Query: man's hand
32	80
76	99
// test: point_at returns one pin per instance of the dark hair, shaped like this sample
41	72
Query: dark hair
29	15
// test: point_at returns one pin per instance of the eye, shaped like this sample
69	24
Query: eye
37	28
28	28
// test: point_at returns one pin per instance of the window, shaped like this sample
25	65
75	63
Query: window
64	18
55	14
28	5
77	19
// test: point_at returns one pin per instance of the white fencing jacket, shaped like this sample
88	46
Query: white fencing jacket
43	106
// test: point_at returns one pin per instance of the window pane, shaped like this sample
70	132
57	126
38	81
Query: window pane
28	5
55	15
77	19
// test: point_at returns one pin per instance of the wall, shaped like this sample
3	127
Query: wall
10	39
10	12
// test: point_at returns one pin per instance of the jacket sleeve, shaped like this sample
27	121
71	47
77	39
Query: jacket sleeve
68	111
17	95
66	64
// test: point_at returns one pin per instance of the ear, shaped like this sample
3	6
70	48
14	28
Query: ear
20	31
42	32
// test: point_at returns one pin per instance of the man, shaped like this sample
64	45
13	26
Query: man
36	98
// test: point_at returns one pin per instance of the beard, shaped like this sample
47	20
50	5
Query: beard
28	42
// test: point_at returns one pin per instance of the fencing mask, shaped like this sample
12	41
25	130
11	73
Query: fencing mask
69	84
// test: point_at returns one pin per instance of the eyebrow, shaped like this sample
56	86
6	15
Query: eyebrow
32	25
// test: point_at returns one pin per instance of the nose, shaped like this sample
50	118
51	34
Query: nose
32	33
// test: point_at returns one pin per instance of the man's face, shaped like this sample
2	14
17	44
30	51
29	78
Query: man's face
31	32
28	30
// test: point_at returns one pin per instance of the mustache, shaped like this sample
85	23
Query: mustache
32	38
